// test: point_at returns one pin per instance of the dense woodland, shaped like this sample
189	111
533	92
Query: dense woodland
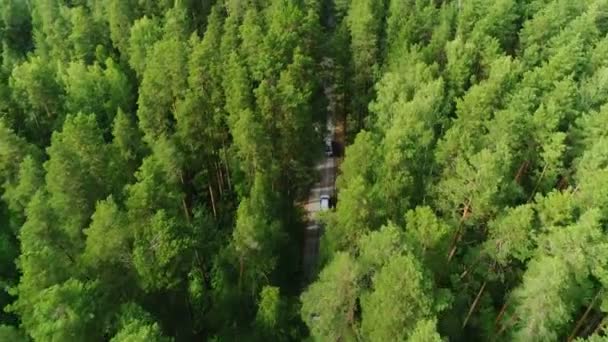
154	155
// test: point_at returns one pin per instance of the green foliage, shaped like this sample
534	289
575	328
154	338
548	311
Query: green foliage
66	312
157	251
269	309
486	141
46	256
425	331
511	235
17	195
328	305
108	237
97	91
399	298
16	23
378	248
352	218
51	28
126	143
406	146
155	156
365	25
274	315
428	236
135	324
86	36
140	332
256	235
77	172
10	333
36	90
13	149
120	16
144	33
165	71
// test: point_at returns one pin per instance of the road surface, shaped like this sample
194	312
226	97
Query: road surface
327	167
325	186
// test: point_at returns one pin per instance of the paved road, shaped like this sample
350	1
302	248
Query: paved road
326	184
312	235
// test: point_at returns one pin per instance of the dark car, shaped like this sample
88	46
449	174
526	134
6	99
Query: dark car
329	151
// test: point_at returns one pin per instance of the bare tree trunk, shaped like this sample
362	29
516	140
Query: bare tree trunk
511	321
48	112
220	176
600	326
468	269
458	235
228	176
226	167
582	319
186	211
596	320
520	172
542	175
212	201
184	202
501	313
200	262
474	305
563	183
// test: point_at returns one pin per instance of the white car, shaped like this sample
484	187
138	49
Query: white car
324	202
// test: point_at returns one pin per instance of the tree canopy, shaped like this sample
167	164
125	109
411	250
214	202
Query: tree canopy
155	157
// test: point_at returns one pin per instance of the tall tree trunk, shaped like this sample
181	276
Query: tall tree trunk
600	326
220	178
520	172
226	166
48	112
186	210
540	179
212	201
509	324
458	235
562	184
501	313
185	198
228	176
579	323
590	327
474	305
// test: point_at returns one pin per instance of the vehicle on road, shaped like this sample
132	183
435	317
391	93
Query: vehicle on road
324	202
329	151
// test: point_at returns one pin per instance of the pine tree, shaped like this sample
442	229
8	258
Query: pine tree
328	305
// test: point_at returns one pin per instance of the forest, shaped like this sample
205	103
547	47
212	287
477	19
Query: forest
155	154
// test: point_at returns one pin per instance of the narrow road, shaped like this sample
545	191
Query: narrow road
327	167
312	235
